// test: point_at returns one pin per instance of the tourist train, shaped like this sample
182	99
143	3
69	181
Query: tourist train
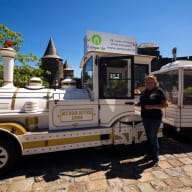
35	119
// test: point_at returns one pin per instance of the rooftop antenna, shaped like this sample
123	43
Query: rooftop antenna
174	52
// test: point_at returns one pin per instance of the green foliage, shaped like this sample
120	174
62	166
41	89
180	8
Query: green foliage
118	87
22	73
15	37
25	59
188	90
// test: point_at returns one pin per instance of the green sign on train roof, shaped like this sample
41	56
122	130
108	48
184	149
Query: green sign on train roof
107	42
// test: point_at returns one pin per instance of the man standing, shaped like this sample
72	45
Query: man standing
152	100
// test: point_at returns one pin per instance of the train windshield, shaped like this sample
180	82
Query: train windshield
168	81
115	78
88	74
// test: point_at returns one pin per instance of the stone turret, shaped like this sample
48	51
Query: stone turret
52	62
67	70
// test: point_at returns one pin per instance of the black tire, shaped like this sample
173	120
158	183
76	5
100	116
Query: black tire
8	155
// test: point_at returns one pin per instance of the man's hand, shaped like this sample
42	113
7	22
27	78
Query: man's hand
138	104
163	104
148	107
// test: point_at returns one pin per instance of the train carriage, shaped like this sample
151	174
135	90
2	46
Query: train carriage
176	80
36	120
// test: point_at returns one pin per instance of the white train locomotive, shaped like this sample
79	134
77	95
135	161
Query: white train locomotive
37	120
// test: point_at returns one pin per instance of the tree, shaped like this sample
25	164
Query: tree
24	72
15	37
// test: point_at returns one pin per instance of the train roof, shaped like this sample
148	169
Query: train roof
109	54
181	63
176	65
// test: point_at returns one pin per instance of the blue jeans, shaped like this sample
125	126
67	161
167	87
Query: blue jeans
151	128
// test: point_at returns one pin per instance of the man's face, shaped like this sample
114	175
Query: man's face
150	84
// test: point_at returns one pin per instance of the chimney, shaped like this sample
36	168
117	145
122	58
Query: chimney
8	54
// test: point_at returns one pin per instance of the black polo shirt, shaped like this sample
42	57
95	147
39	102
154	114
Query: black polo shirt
152	97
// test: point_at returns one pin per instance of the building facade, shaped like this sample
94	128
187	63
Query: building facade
153	50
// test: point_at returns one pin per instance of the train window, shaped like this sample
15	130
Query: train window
187	91
168	81
115	78
140	72
88	74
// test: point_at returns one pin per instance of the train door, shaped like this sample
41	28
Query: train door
116	87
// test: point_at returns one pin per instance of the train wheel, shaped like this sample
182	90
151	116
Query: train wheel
8	156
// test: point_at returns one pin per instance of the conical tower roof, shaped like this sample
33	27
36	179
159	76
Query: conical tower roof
67	66
51	51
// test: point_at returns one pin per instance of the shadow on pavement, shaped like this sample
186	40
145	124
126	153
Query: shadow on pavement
116	161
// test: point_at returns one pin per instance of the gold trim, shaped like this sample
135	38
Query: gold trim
31	123
31	120
120	115
7	81
15	128
139	134
68	83
6	49
77	105
57	126
75	113
126	136
35	81
14	99
53	142
91	104
75	124
117	137
48	96
71	125
9	56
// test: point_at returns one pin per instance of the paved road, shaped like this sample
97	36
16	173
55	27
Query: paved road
120	169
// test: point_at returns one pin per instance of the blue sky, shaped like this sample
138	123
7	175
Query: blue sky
167	23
